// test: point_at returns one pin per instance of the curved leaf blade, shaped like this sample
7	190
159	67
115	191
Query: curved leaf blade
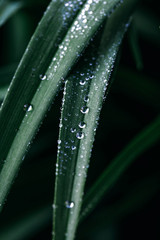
33	94
83	97
7	9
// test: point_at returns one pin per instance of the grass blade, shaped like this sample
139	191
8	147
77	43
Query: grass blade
137	146
135	48
28	100
7	9
26	227
83	97
136	198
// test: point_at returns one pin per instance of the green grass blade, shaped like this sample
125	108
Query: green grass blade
136	198
3	91
28	226
39	75
135	48
7	9
137	146
83	97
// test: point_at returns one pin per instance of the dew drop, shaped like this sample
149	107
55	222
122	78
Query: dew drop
69	204
82	82
82	125
27	107
73	130
86	99
54	206
80	135
42	77
73	147
84	110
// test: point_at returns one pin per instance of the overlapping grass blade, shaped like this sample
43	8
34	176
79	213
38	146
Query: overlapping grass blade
83	96
40	74
7	9
137	146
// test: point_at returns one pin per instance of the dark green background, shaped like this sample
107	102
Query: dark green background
130	210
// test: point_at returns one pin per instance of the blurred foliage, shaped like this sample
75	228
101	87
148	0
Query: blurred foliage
131	208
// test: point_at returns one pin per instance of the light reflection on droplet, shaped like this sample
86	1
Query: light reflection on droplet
42	77
69	204
84	110
27	107
82	125
80	135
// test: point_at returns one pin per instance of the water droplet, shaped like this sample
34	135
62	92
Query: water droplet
28	107
54	206
82	125
73	130
86	99
80	135
42	77
82	74
69	204
73	147
82	82
84	110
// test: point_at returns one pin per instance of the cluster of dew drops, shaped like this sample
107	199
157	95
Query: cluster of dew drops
79	135
70	8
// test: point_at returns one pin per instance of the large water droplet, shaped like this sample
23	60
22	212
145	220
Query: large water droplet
69	204
82	125
28	107
82	82
84	110
80	135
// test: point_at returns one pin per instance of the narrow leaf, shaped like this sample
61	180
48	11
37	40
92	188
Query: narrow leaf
137	197
137	146
83	96
7	9
135	48
27	226
39	75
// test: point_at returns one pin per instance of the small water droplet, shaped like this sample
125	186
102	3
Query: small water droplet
69	204
82	125
80	135
42	77
73	147
73	130
28	107
84	110
86	99
54	206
